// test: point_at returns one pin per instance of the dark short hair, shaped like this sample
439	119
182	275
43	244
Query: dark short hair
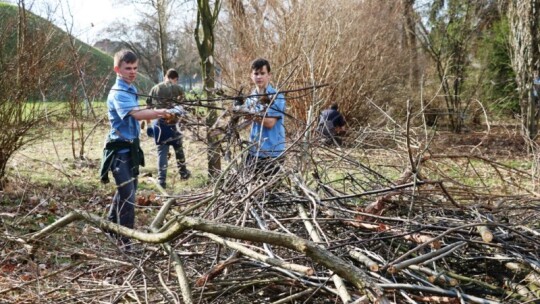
171	74
126	56
334	106
259	63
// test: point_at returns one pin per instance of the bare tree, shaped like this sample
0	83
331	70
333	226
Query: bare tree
159	17
151	37
351	45
162	21
207	16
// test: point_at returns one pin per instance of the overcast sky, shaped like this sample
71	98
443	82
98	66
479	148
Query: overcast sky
88	17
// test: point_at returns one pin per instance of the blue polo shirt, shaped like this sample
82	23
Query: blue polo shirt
121	100
268	142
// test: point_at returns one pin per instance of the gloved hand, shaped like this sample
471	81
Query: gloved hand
243	109
264	100
177	111
238	102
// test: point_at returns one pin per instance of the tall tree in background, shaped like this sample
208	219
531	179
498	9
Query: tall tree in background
207	16
409	25
156	21
162	8
446	37
524	38
151	37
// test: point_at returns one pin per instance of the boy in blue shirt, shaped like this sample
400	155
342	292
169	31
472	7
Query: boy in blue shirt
267	128
122	153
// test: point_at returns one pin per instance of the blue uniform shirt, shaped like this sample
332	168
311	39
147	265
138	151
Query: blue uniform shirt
121	100
268	142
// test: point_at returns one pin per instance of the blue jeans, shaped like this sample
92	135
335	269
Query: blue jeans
163	162
122	209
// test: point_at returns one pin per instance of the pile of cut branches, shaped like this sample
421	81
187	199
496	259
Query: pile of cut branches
333	225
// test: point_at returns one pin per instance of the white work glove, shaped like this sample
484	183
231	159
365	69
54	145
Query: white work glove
177	110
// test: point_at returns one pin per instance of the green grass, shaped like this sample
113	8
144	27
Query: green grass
49	163
519	164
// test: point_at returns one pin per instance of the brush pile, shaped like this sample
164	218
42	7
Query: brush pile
332	226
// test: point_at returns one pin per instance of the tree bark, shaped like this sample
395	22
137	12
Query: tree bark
240	26
204	37
523	16
162	33
410	38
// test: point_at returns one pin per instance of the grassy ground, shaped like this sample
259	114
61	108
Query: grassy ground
52	160
47	178
52	164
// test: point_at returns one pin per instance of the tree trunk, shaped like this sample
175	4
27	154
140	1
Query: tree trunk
204	36
410	39
319	254
162	34
523	16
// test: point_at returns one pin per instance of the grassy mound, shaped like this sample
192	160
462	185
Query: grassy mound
79	61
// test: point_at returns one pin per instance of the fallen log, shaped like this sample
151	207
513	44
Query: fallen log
182	223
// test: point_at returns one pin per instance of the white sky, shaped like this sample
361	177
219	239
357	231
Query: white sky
88	17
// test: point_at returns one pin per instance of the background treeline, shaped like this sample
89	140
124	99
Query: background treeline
466	61
456	58
443	56
452	55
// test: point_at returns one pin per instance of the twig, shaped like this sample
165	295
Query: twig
345	296
426	258
265	259
41	278
449	293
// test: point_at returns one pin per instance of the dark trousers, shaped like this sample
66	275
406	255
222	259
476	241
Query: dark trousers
122	209
163	162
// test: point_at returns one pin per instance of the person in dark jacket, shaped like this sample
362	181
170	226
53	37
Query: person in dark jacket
331	125
166	133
